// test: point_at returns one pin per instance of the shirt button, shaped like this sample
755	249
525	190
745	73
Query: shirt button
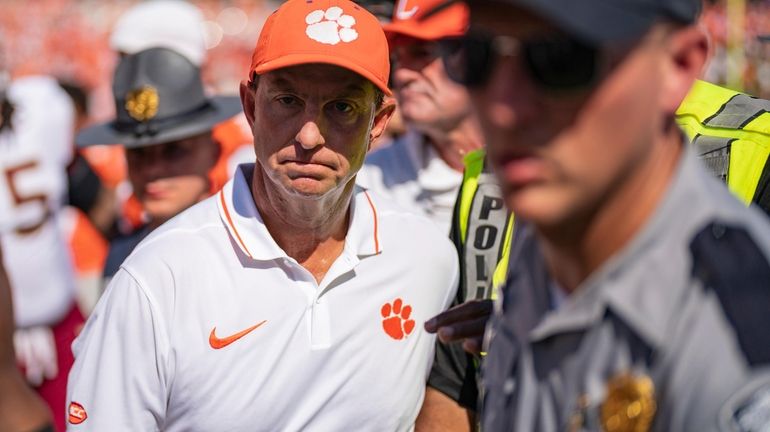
508	386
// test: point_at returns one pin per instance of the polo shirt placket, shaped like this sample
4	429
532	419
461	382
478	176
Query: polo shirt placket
255	242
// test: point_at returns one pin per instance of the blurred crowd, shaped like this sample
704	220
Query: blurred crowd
756	69
70	37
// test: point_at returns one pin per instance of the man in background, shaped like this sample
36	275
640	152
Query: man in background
443	128
167	133
422	169
178	25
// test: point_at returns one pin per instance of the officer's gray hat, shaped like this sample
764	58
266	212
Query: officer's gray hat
159	98
600	21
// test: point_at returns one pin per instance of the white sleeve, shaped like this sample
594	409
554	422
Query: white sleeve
119	381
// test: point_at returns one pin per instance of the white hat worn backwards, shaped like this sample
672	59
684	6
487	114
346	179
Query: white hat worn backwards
173	24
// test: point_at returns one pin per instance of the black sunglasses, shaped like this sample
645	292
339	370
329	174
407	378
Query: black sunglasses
554	62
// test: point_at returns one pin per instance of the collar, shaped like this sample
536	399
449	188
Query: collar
241	218
433	174
641	284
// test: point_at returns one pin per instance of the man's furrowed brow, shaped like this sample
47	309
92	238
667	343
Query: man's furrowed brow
354	90
280	84
351	90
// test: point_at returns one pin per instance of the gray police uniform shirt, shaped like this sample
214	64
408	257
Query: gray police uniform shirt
673	332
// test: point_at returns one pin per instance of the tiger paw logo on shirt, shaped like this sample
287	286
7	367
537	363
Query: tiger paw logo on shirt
396	322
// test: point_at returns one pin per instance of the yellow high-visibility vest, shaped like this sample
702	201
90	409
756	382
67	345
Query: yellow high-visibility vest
731	133
490	244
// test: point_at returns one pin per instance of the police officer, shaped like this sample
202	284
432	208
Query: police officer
638	289
166	127
422	171
481	231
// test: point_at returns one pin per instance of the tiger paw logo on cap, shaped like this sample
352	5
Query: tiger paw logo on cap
334	32
331	26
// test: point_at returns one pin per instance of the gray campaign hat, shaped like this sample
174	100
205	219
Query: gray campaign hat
599	21
159	98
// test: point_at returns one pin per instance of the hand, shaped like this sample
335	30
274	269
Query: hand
36	353
465	322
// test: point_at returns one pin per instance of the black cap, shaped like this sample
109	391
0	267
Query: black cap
159	98
599	21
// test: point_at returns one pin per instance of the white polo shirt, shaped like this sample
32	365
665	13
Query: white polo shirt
210	326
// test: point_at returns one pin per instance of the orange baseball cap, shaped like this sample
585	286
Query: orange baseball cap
337	32
452	21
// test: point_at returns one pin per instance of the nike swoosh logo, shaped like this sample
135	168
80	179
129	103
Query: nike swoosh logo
402	13
219	343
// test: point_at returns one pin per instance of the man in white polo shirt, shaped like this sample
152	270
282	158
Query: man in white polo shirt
292	299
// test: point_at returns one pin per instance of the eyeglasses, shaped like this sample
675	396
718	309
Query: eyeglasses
554	62
416	52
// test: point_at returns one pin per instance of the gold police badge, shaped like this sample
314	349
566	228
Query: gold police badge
629	405
142	103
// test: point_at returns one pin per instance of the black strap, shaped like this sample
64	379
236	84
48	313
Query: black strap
729	263
762	194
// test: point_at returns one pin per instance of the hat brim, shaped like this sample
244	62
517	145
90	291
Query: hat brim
221	109
336	60
417	30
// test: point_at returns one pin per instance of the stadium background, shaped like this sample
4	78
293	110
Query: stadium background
69	39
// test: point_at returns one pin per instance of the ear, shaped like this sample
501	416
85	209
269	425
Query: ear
687	52
381	119
248	101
